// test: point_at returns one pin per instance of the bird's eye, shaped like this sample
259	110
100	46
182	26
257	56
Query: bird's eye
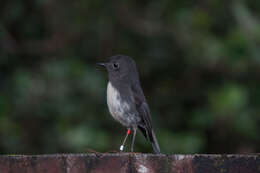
116	66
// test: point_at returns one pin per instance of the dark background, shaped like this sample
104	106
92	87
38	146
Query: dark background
198	61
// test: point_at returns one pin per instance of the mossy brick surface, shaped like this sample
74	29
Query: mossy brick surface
129	163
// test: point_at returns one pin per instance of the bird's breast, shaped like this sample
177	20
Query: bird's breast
119	109
113	98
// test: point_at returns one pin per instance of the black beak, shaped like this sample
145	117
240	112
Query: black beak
102	64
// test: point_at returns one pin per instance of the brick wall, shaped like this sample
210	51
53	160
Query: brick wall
130	163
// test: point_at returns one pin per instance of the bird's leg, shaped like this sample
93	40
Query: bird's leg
127	133
133	139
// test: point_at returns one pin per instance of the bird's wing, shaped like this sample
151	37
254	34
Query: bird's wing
144	112
143	109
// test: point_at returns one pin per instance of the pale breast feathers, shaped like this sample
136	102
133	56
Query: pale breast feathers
118	108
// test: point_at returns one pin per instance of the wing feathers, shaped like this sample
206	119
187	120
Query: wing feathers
143	110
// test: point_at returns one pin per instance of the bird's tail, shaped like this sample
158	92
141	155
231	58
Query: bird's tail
155	144
150	135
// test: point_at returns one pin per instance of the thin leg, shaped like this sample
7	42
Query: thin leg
127	134
133	140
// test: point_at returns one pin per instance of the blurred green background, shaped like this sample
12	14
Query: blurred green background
199	63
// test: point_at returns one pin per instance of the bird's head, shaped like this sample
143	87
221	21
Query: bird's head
121	67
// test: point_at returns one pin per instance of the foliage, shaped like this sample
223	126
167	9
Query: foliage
198	61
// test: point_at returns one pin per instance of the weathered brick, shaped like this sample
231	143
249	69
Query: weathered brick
148	163
32	164
130	163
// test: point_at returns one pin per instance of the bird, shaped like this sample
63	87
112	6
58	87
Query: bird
126	101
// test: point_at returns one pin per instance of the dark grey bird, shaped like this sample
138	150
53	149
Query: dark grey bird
126	101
